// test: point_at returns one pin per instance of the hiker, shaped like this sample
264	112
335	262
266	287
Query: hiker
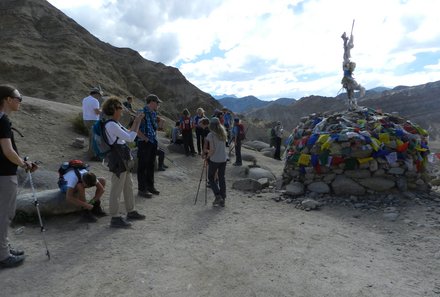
10	100
129	104
215	154
176	135
278	135
237	141
77	181
186	126
204	124
120	163
199	129
227	122
147	148
272	137
91	111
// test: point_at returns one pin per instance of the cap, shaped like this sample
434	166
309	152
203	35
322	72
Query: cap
152	97
96	90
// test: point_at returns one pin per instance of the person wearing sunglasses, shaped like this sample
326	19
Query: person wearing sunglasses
10	101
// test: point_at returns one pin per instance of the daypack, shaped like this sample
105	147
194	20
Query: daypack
242	132
100	144
75	165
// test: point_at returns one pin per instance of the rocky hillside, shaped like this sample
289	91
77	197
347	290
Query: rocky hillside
420	104
48	55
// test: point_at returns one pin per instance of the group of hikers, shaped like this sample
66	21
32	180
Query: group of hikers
213	136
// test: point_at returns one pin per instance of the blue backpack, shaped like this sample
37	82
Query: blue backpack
100	144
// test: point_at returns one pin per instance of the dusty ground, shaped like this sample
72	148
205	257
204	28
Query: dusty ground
252	247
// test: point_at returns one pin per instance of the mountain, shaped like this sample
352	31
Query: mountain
248	103
48	55
420	104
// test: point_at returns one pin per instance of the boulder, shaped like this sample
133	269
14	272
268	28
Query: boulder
377	184
256	145
247	184
319	187
346	186
257	173
43	179
310	204
51	202
295	189
248	157
264	182
357	173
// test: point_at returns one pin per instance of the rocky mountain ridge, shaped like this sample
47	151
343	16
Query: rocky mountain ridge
48	55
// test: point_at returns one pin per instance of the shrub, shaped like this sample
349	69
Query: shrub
78	125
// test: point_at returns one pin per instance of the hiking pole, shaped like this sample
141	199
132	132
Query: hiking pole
38	210
206	183
201	177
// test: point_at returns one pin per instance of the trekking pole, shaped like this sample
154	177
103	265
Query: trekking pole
38	210
201	177
206	183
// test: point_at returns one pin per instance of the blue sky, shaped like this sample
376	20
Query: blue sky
273	48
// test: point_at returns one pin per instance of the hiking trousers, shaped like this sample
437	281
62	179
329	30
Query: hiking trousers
145	172
8	196
121	185
220	168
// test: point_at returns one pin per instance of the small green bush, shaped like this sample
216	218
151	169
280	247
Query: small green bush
78	125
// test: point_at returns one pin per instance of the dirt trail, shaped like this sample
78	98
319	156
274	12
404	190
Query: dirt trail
252	247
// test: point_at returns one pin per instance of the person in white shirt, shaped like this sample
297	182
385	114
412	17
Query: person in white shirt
91	111
120	163
77	181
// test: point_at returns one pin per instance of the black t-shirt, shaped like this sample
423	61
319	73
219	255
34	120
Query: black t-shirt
6	166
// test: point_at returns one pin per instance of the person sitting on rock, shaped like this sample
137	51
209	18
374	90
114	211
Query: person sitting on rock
176	134
76	192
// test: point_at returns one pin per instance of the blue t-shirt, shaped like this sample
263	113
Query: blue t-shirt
149	125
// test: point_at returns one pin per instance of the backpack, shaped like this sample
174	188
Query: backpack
75	165
100	145
273	133
241	133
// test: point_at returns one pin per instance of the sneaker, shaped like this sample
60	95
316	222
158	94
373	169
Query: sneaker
154	191
145	194
88	217
15	252
134	215
119	222
12	261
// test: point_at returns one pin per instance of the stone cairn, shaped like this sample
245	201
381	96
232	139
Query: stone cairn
357	152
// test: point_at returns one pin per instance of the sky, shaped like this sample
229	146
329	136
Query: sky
273	48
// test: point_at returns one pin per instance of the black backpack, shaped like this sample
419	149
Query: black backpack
75	165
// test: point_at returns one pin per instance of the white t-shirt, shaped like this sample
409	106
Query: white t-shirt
89	104
115	130
71	178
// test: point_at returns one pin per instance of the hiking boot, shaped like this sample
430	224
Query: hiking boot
164	166
134	215
145	194
88	217
237	164
12	261
119	222
97	209
15	252
161	168
217	201
154	191
222	202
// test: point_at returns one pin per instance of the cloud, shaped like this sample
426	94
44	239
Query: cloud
272	49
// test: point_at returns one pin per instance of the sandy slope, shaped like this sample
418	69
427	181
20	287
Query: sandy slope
252	247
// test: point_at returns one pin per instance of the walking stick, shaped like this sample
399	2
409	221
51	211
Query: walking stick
201	177
38	210
206	183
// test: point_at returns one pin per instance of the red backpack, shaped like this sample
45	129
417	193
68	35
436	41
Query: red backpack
242	132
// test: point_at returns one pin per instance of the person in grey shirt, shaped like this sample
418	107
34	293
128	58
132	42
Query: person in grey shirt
215	153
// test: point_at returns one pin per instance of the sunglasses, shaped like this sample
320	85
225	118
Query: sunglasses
18	98
118	107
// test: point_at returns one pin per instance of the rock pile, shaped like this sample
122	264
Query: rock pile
356	153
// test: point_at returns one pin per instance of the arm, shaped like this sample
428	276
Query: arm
99	191
11	155
81	200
